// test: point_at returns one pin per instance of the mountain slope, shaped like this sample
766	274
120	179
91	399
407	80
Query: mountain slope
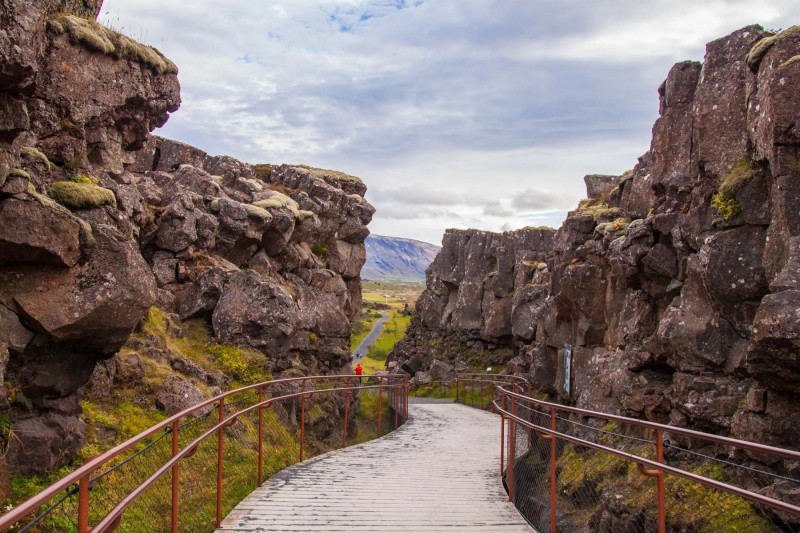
393	258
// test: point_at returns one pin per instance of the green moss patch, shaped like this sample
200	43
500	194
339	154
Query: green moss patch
19	173
599	210
328	175
791	61
760	49
739	174
98	38
36	155
80	195
584	474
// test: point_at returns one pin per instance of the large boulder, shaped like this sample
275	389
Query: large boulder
44	443
95	305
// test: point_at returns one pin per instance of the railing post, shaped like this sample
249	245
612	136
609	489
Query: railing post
406	397
83	505
553	471
662	514
175	488
260	472
457	391
380	397
395	405
346	414
220	450
512	449
659	475
502	436
472	400
302	418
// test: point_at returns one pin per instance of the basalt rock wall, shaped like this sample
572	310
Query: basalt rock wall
675	286
100	221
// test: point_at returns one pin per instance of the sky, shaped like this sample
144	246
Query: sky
455	113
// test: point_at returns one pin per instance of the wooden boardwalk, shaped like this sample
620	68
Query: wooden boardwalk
439	472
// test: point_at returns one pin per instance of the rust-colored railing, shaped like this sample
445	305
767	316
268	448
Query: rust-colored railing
576	461
472	388
475	389
248	408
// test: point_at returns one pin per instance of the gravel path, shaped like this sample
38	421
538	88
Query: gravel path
361	351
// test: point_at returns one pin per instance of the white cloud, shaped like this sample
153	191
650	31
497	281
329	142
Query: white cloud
454	113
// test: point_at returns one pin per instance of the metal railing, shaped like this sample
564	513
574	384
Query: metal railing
479	390
569	469
473	389
207	458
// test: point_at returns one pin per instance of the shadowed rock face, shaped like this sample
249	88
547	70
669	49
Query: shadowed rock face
677	311
269	256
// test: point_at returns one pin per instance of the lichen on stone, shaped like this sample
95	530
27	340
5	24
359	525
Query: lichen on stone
327	175
80	195
257	212
278	201
36	155
98	38
598	210
760	49
18	172
302	215
791	61
737	176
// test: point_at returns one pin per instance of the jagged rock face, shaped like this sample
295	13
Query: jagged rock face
676	284
99	221
484	289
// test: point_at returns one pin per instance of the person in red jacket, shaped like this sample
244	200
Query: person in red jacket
359	369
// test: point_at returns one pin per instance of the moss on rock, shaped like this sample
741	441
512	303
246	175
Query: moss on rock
737	176
80	195
98	38
760	48
36	155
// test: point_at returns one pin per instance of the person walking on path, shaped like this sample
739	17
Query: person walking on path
359	369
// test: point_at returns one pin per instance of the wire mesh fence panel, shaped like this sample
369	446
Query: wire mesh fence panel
600	485
59	514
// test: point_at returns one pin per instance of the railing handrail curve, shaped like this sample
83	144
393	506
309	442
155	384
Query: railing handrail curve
744	493
718	439
19	512
117	511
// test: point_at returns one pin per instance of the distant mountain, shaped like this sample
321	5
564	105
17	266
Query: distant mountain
396	259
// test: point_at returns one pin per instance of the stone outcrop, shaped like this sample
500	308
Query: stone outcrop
100	221
674	287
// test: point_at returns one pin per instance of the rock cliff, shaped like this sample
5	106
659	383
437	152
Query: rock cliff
100	221
672	292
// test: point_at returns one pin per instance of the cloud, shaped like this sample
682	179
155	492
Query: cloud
497	209
452	112
534	199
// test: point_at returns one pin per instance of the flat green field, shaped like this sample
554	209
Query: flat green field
396	296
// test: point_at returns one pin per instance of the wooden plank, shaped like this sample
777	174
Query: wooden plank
436	473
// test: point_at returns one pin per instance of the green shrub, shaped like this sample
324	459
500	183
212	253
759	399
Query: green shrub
80	195
726	206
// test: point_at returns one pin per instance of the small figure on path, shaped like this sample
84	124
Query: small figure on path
359	369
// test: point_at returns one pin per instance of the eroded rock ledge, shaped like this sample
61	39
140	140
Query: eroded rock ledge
676	284
100	221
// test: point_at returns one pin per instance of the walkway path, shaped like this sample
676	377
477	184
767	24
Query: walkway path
438	472
369	339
